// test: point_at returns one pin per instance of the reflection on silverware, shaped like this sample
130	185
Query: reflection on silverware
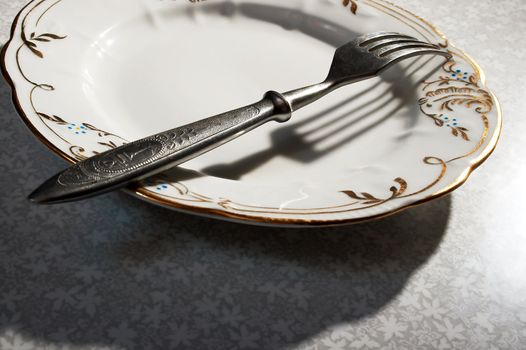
360	59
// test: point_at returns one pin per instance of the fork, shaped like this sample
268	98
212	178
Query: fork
362	58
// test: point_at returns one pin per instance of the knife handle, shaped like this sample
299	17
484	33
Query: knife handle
154	154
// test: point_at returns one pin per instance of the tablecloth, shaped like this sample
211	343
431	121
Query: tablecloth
116	273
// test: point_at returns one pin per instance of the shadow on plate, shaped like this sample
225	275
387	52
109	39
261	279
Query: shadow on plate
288	141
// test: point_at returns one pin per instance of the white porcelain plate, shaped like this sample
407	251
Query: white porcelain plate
89	75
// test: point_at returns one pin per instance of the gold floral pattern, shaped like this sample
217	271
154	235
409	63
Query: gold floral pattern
367	198
352	4
449	91
31	42
46	37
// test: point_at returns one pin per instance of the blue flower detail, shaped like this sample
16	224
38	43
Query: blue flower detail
449	122
77	129
454	125
162	187
460	75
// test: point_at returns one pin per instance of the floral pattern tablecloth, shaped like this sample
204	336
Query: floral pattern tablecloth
116	273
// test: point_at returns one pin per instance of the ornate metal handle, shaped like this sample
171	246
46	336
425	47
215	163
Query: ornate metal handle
154	154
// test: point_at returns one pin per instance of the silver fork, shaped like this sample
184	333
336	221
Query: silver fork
362	58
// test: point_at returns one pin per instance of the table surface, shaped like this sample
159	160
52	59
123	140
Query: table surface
449	274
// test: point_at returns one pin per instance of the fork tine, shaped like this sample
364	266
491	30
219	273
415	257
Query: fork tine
412	52
366	56
391	41
387	50
373	37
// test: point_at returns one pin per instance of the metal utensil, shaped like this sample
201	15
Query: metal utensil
360	59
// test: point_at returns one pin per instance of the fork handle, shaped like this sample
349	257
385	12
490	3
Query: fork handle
154	154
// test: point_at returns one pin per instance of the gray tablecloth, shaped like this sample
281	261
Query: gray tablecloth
116	273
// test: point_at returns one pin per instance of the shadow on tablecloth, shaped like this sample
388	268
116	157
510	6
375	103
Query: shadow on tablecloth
117	272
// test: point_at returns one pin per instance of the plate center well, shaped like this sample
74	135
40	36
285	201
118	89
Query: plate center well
150	74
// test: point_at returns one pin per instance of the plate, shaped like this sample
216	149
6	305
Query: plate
89	76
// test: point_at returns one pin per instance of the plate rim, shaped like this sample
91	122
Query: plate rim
152	198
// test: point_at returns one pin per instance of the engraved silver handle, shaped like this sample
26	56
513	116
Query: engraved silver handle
146	157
